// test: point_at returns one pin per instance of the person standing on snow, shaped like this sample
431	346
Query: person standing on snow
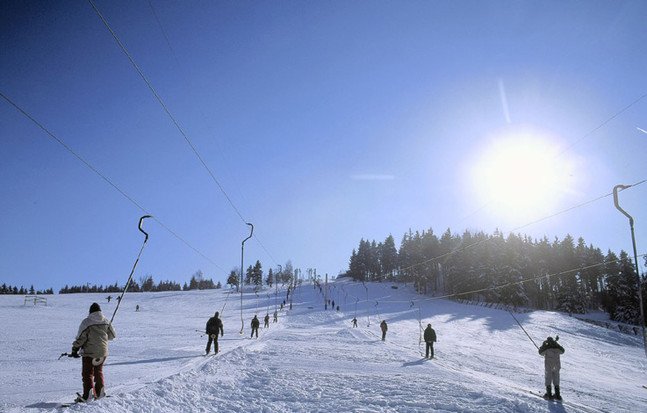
430	337
354	320
214	326
276	316
94	333
551	351
267	321
384	327
255	325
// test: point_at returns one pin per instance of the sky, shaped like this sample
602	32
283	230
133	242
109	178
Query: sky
322	123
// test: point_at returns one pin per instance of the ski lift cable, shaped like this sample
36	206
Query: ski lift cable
175	122
460	249
575	142
105	178
511	283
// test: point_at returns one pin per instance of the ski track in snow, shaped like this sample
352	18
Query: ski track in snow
312	360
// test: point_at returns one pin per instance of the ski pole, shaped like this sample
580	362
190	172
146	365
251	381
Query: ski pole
242	254
524	330
130	277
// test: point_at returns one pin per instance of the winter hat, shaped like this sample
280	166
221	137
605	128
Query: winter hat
94	307
217	314
428	325
549	338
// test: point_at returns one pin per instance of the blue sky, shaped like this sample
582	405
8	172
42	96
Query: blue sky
325	122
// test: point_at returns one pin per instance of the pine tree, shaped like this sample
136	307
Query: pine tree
233	278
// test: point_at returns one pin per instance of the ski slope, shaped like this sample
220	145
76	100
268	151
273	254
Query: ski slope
312	360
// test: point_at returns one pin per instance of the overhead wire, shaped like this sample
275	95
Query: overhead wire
570	146
175	122
510	283
104	177
517	228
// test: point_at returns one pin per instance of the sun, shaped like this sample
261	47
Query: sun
520	174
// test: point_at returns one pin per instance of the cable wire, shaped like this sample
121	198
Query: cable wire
175	122
461	249
104	177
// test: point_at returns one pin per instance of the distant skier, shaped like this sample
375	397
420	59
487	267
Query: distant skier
109	298
276	316
137	307
255	325
119	298
384	327
430	337
354	322
333	303
213	328
551	351
267	321
94	333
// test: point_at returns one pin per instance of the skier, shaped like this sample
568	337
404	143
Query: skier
276	316
109	298
255	325
94	333
430	337
137	307
214	326
267	321
354	322
384	329
551	351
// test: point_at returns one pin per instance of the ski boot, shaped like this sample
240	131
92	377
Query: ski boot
549	394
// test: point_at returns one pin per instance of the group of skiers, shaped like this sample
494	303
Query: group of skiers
95	331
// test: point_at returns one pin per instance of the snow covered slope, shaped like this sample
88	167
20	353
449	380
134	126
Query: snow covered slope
312	360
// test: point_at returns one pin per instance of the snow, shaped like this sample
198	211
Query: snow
312	360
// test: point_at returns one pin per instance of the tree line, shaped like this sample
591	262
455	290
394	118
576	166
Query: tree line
8	289
254	275
147	284
564	275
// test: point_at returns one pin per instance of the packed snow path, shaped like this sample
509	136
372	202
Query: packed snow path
312	360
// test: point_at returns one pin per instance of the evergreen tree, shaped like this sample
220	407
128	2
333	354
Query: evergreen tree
270	278
233	278
257	274
389	258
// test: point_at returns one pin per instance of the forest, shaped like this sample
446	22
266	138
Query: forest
564	275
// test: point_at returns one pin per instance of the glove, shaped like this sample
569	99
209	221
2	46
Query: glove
75	353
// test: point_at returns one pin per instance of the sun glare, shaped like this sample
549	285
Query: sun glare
520	175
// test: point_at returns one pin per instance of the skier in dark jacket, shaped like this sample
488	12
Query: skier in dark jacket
551	351
384	327
430	337
214	326
255	325
267	321
354	320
